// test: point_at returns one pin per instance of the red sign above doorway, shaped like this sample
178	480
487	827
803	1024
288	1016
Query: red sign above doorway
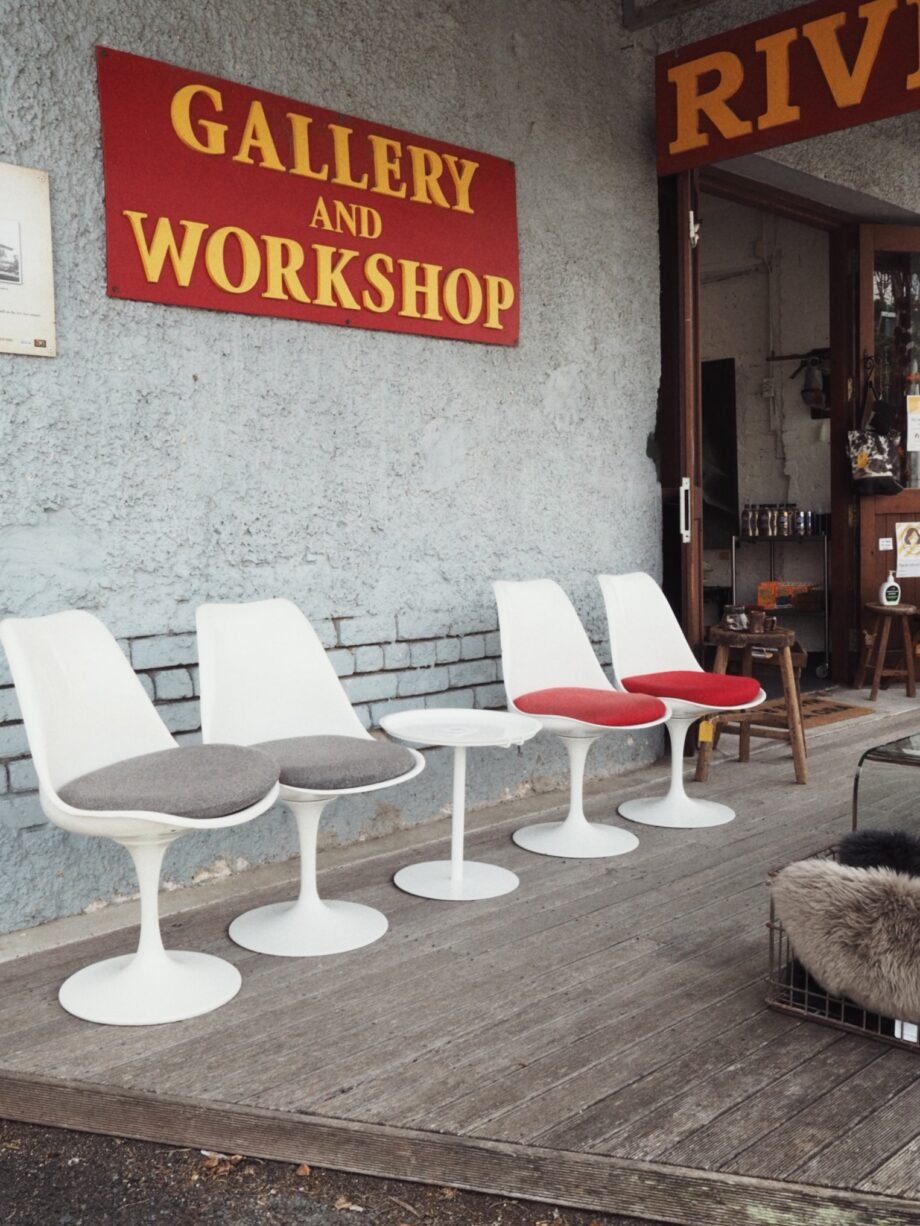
222	196
829	65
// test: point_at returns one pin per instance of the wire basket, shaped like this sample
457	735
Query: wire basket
791	989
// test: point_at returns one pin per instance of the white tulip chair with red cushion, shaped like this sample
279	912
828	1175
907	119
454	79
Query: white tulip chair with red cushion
108	766
650	655
266	681
552	673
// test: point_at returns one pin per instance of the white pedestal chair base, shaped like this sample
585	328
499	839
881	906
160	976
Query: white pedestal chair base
308	929
309	926
142	990
434	879
677	812
575	840
153	985
576	837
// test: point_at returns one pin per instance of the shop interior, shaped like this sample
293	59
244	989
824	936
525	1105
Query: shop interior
765	337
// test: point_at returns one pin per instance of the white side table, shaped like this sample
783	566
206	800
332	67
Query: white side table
459	729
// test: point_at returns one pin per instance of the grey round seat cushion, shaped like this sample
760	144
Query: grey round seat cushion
198	781
334	763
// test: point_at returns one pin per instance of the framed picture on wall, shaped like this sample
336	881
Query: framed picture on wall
10	252
26	269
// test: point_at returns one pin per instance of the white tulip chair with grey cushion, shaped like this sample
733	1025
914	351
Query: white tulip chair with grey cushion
108	766
266	681
650	655
552	673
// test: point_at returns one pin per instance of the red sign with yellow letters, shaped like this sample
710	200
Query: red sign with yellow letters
829	65
231	198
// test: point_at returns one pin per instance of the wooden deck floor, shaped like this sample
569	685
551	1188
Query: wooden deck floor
598	1038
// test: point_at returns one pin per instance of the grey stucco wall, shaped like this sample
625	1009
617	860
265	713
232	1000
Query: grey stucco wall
172	456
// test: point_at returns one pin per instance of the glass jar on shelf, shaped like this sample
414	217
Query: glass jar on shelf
749	522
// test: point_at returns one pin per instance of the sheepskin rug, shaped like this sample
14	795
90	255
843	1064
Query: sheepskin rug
857	930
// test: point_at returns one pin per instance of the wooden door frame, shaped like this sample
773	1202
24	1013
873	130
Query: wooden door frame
873	238
681	349
691	401
679	422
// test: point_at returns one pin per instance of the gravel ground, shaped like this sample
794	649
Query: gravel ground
50	1177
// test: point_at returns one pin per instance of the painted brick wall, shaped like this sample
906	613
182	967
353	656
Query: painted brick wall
382	669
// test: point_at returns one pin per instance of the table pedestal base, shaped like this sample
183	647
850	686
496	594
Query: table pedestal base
433	879
457	879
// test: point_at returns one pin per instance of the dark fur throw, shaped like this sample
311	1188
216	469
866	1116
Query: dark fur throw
857	930
881	849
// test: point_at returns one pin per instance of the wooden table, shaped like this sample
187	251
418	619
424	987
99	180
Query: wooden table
784	726
458	729
877	638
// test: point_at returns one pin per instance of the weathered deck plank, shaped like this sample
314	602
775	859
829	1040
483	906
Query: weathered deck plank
798	1138
650	1190
597	1038
715	1145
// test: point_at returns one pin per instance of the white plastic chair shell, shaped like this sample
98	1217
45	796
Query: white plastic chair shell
84	708
545	646
646	637
264	676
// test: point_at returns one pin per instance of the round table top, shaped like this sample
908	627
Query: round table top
461	727
781	636
909	609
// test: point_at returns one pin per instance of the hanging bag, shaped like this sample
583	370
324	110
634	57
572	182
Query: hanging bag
875	461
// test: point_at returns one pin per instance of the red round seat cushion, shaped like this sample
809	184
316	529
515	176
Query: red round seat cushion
689	685
609	708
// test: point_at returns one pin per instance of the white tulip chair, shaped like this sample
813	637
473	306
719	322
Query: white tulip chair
108	766
650	655
266	681
552	673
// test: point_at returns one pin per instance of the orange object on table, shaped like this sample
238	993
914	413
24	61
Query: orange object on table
776	594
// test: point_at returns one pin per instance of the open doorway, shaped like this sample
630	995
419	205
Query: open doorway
782	276
765	353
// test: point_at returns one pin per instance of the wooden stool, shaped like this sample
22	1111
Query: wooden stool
877	638
786	726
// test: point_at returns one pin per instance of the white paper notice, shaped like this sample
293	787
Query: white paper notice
26	272
908	536
913	423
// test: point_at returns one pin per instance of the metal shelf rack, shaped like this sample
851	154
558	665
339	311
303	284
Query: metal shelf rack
824	668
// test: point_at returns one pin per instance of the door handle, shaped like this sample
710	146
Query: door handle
685	510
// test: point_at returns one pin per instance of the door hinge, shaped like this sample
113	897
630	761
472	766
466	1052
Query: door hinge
694	230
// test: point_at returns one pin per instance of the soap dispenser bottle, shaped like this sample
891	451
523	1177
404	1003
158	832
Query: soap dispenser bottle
890	591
